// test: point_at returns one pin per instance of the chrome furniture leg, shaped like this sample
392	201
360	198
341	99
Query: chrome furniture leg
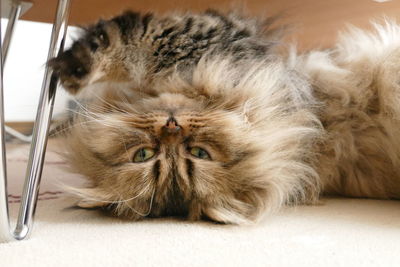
12	20
39	139
16	8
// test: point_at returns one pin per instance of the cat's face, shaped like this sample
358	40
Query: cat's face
170	155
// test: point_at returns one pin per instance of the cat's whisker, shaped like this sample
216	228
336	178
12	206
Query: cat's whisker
128	157
141	192
107	103
88	113
150	206
83	114
71	126
84	193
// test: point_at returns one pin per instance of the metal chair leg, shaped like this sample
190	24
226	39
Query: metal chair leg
39	139
16	8
12	20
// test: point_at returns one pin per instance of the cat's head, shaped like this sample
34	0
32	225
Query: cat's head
227	145
168	155
210	124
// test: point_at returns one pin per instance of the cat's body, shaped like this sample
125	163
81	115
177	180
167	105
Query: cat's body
198	115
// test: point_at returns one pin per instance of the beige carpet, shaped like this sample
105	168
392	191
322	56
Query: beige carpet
340	232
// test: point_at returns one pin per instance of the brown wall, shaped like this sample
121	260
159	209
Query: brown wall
316	21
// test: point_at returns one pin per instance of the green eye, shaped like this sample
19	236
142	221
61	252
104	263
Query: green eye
143	154
199	153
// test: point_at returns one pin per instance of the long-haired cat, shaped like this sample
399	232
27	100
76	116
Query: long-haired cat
199	115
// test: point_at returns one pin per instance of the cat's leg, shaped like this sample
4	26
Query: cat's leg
75	65
101	54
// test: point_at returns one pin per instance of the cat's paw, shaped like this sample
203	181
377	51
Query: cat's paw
74	66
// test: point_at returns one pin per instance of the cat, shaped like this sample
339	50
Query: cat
203	116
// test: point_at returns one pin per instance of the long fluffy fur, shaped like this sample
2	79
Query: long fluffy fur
358	84
288	128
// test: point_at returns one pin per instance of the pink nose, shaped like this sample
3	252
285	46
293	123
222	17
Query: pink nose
172	126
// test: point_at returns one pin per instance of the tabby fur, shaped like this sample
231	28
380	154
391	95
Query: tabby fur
280	128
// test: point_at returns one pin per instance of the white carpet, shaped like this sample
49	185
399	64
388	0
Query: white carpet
340	232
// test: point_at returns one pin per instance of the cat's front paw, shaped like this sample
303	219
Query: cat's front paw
74	66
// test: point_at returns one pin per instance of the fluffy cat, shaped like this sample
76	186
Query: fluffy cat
199	115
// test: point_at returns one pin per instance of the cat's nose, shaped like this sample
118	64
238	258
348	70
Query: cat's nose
172	126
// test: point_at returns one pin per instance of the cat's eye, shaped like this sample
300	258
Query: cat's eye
199	153
143	154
